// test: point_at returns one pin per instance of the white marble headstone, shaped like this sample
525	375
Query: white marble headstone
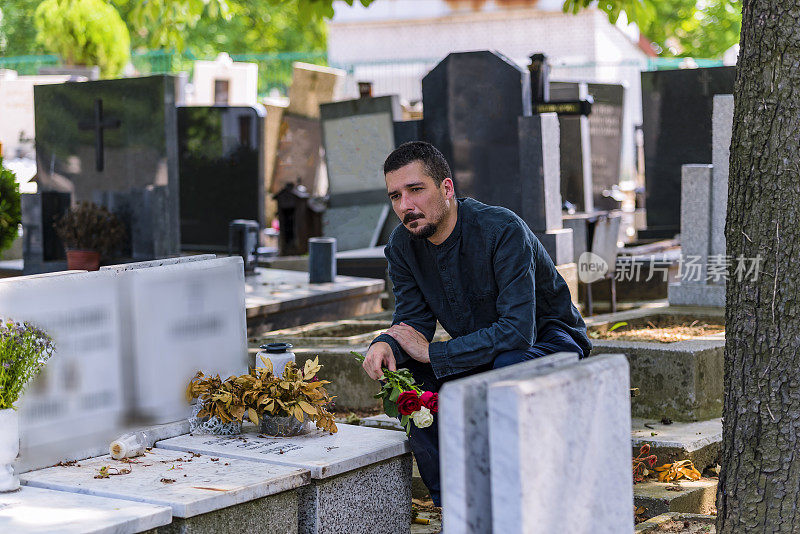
464	442
189	484
158	263
77	401
324	454
40	511
184	318
560	450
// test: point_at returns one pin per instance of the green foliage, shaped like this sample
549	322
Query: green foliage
679	28
84	32
17	30
10	211
24	350
687	28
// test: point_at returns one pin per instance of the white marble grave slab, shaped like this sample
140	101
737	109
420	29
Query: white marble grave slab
184	318
41	511
158	263
464	442
325	455
560	450
77	401
201	484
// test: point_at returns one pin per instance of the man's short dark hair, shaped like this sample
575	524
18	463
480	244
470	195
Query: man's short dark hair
433	162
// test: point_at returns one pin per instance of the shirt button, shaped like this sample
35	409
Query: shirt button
441	267
453	301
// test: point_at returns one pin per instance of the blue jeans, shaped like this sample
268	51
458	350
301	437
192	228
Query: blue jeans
425	441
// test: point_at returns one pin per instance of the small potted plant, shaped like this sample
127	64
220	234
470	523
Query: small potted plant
219	408
24	350
89	232
282	405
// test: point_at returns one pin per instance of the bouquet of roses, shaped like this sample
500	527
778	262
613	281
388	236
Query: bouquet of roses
403	398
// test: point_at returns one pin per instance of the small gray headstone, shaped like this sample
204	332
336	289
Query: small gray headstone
560	450
464	442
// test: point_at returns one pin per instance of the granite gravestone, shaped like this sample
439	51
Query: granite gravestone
113	142
472	104
560	449
539	175
358	136
299	158
464	442
676	111
605	132
42	250
575	148
221	155
704	198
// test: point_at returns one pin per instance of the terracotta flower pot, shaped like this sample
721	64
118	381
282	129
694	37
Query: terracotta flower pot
83	260
9	448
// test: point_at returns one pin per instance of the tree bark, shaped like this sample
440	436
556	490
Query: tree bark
759	485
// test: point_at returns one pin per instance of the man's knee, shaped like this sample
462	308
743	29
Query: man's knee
510	357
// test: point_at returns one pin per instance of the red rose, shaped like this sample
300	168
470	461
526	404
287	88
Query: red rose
430	400
408	402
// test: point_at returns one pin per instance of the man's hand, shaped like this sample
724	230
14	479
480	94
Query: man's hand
412	341
379	355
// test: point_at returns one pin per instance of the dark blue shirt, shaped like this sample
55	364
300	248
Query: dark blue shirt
490	284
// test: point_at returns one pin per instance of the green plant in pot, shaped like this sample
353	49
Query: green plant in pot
10	213
24	350
89	232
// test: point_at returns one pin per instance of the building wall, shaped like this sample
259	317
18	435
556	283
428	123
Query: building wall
394	43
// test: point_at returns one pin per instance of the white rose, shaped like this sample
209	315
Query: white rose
423	417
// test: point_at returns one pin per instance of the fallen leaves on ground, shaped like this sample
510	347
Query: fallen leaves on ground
676	471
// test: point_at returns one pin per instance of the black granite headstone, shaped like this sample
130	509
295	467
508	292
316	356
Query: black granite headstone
221	154
605	131
676	111
473	101
114	142
575	148
42	250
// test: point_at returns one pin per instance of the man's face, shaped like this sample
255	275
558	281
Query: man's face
419	204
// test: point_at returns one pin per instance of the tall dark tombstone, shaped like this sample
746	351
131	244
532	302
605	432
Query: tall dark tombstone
576	148
676	110
472	104
42	250
114	142
605	131
221	155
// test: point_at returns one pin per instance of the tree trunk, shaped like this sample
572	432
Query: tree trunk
759	485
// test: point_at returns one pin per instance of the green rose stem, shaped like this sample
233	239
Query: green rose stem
393	383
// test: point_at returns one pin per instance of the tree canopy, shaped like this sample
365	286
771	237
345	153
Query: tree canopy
677	28
201	27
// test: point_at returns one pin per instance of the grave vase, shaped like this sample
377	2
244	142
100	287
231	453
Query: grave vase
9	449
83	260
272	425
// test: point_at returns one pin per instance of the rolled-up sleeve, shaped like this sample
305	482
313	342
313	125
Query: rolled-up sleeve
410	305
515	327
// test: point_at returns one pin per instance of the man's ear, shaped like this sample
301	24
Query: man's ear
449	188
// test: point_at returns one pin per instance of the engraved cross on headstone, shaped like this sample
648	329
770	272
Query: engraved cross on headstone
98	124
704	79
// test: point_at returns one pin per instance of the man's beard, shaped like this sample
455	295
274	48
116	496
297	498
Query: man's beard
423	233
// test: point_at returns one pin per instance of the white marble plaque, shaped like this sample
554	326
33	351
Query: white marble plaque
188	483
560	450
77	401
325	455
40	511
184	318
